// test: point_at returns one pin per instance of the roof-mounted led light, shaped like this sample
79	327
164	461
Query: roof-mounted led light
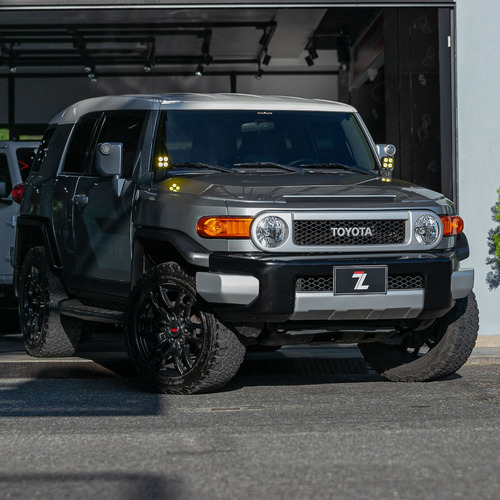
162	162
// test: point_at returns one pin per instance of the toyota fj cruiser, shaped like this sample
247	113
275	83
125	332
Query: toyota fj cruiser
207	223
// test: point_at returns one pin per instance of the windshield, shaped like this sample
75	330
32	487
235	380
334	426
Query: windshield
262	139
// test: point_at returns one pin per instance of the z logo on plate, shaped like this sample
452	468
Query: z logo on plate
360	276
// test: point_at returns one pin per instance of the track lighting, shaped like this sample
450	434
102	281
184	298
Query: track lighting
312	53
199	70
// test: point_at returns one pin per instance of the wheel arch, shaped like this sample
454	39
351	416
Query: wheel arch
156	246
33	232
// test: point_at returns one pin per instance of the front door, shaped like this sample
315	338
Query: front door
102	213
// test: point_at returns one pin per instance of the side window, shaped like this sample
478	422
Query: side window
51	149
124	127
78	150
43	149
25	157
5	182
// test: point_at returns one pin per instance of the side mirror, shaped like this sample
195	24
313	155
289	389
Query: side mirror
109	159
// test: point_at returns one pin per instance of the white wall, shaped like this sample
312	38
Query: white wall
478	77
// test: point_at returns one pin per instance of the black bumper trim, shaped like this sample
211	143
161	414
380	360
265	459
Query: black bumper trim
278	274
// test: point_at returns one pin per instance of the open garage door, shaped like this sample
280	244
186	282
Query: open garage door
394	63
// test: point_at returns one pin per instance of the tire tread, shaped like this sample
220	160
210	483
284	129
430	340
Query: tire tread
445	359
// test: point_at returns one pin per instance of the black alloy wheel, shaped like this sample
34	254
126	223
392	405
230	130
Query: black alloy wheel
171	329
35	305
46	333
175	344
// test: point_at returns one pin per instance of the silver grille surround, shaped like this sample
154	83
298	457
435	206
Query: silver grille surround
314	232
364	217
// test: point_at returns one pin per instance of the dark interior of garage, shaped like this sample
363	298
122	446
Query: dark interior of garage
394	64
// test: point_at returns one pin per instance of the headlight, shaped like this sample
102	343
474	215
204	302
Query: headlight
271	232
427	230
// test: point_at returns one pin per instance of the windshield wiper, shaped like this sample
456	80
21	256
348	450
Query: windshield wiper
268	164
338	166
199	165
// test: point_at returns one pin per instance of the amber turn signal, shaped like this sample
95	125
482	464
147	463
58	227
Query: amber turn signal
452	225
224	227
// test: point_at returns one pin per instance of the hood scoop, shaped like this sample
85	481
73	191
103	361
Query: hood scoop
344	199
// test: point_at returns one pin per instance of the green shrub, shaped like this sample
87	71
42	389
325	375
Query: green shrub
493	276
496	217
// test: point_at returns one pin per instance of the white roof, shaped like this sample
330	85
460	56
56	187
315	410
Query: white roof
198	101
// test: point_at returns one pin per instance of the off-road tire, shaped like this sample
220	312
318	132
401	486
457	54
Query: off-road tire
174	343
450	341
45	332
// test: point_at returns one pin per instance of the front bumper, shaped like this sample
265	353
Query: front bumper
258	289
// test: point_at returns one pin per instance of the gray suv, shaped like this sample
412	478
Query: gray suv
207	223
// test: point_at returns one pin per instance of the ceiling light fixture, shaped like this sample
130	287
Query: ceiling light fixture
312	52
199	70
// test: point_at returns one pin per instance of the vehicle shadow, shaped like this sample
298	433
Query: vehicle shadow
101	379
126	486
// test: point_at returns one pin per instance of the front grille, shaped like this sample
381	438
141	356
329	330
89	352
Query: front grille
405	281
315	284
394	282
349	232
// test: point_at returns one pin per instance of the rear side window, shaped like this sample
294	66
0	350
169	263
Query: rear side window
25	157
79	146
51	149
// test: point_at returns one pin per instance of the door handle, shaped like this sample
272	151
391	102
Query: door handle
80	199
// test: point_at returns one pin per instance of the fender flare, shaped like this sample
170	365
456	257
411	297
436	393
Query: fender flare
185	247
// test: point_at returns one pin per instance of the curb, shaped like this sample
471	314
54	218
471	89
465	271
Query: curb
488	341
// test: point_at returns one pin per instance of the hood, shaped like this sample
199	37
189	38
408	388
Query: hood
344	189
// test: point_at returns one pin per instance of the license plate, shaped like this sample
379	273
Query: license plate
357	280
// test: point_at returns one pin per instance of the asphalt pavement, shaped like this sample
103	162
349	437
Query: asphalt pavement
295	424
